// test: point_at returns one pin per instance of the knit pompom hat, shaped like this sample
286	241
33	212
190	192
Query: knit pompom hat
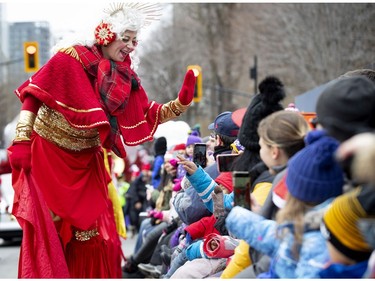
313	174
271	93
225	179
180	146
193	140
342	223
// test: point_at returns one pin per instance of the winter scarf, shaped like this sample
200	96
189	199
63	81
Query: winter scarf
115	82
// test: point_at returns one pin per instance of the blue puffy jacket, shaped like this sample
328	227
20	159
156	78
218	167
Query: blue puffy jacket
204	185
260	234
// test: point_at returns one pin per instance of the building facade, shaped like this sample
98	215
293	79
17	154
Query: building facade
21	32
3	41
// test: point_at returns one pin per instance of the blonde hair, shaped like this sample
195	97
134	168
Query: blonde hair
293	211
284	129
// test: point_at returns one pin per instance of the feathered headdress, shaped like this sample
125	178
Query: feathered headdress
141	13
125	16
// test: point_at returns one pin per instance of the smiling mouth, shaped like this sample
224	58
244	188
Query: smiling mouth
124	53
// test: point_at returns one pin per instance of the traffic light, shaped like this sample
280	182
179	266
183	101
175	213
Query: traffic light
198	85
31	56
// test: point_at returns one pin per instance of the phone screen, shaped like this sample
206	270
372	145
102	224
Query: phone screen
199	155
225	162
241	189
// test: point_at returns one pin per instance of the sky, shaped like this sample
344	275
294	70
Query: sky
67	16
62	15
72	15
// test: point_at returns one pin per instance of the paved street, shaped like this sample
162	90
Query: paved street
9	254
128	245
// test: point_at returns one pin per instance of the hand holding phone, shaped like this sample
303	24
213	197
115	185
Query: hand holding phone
189	166
199	154
241	189
225	162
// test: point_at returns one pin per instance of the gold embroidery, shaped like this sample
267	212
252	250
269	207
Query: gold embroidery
24	126
171	110
52	126
134	126
86	234
79	110
71	52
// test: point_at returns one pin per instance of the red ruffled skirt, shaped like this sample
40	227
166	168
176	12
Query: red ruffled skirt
73	185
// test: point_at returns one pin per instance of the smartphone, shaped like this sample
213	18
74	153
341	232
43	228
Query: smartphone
242	189
199	154
225	162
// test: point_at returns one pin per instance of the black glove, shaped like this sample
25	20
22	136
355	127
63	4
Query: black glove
171	227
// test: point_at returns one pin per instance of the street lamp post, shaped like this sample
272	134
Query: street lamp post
254	73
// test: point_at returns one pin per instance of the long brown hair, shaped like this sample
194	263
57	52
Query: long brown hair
284	129
287	130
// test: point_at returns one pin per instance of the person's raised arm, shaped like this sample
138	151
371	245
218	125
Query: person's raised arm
175	108
188	165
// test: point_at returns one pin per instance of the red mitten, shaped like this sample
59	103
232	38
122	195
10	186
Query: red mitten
151	213
223	245
186	93
158	215
20	155
155	214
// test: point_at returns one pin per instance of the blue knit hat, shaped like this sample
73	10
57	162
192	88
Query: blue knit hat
313	173
193	140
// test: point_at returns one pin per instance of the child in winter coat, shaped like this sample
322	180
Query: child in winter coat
202	228
349	223
346	241
294	242
189	149
282	135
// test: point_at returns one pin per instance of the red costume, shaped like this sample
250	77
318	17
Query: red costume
86	102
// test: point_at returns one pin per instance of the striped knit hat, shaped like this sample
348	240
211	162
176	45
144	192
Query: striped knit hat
340	223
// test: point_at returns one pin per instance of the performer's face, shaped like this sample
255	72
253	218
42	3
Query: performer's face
121	47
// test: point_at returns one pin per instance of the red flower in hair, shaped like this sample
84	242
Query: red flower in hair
103	34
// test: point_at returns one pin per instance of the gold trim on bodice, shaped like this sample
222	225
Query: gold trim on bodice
52	126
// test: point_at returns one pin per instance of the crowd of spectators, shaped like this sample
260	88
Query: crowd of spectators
312	193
